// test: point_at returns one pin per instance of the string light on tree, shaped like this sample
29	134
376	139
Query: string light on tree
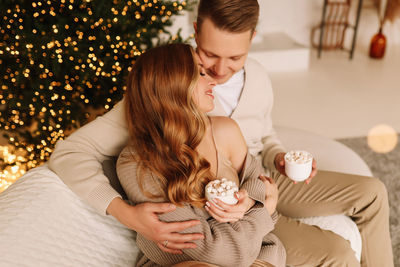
15	169
64	61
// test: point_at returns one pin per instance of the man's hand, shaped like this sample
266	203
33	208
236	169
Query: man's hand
280	166
143	218
271	193
230	213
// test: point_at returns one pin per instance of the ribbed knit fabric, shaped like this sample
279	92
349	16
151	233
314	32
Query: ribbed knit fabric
225	244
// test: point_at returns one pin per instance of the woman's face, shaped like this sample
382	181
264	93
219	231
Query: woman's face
203	92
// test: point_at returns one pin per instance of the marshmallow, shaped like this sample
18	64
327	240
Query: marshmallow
222	189
298	156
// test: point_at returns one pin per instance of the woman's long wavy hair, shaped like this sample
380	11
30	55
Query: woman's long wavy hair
164	123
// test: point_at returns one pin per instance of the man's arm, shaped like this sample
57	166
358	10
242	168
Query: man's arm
253	114
78	159
144	219
271	143
78	162
273	152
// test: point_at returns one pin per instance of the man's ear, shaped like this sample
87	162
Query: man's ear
253	35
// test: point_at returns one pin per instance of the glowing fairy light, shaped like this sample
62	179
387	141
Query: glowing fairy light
38	102
12	172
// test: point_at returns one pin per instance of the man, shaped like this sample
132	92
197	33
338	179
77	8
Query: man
224	31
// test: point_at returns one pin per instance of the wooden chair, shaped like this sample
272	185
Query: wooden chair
334	23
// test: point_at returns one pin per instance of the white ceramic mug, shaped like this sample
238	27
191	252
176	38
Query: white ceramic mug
227	192
298	165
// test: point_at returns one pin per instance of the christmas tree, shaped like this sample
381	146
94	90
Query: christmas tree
62	62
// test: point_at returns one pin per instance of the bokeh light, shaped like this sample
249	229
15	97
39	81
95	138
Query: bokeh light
382	138
62	63
15	166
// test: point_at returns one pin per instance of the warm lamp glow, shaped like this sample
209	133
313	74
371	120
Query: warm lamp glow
382	138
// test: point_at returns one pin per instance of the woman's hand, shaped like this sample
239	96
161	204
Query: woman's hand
230	213
271	193
143	218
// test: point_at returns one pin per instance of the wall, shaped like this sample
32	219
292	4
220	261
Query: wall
297	17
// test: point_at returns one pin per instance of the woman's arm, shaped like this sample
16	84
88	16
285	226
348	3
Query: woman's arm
240	240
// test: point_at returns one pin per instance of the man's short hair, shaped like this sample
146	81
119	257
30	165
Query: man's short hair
235	16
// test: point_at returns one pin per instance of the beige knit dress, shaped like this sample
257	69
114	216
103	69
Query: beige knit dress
225	244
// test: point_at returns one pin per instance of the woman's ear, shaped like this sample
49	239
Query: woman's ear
195	32
195	27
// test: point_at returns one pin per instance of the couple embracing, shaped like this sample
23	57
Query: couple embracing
191	116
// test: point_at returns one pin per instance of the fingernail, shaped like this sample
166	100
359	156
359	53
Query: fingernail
172	206
307	182
208	204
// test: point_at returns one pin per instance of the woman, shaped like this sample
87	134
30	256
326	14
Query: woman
175	150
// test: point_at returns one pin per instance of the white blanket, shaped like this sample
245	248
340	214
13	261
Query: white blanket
42	223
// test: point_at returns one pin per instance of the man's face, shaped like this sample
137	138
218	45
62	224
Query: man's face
222	53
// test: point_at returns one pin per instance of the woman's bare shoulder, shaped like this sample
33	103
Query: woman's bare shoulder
224	125
230	140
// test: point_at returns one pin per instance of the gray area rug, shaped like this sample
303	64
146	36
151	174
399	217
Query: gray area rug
387	168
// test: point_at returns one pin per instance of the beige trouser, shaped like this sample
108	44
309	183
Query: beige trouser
363	199
257	263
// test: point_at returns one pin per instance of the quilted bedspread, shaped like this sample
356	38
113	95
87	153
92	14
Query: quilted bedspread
42	223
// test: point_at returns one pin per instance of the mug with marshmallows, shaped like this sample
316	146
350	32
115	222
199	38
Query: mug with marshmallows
298	165
223	189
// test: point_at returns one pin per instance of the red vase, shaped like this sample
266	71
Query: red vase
378	45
